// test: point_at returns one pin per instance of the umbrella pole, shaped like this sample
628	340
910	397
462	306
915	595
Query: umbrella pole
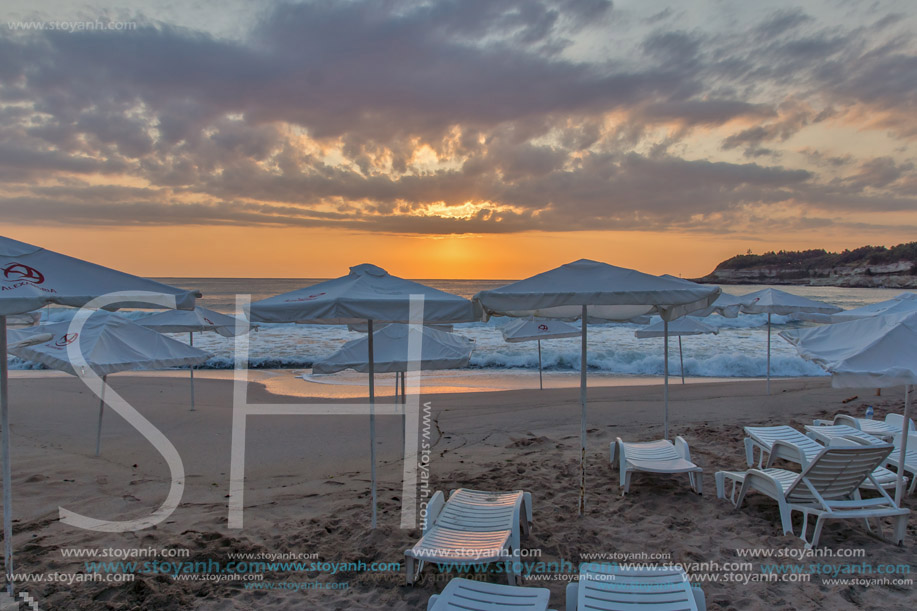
101	411
582	398
404	424
372	417
665	325
7	471
540	379
398	401
768	353
905	432
681	359
191	368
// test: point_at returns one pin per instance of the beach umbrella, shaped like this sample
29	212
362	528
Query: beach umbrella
32	277
109	343
368	294
537	329
903	303
23	321
438	350
726	305
679	327
594	291
875	352
188	321
775	301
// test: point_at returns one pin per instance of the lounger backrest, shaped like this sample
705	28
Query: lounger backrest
897	421
844	430
846	419
472	510
607	587
466	594
767	435
656	450
837	472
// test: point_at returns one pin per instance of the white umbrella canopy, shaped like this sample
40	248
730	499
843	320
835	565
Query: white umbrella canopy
368	294
775	301
679	327
590	290
537	329
610	293
439	350
188	321
109	343
726	305
32	277
875	352
903	303
23	321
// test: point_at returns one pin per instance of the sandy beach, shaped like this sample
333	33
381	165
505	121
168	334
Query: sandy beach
307	487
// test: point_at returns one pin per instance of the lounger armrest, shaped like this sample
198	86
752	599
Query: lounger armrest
681	446
434	508
431	604
786	451
614	448
764	483
699	599
750	445
572	595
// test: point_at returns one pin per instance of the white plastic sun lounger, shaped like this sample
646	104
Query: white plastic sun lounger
468	595
474	527
656	457
827	489
609	587
788	444
893	425
910	459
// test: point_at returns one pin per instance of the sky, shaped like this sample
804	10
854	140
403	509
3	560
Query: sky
456	138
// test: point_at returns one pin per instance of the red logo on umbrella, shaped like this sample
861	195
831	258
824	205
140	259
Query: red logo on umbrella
66	340
542	327
309	298
16	272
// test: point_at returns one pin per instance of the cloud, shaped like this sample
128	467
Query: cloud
454	116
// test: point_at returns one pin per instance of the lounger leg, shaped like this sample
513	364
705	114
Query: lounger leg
512	577
900	529
527	501
625	483
697	482
720	479
572	596
786	518
819	523
750	453
410	571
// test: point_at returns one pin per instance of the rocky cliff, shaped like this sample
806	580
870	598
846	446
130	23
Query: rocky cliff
869	267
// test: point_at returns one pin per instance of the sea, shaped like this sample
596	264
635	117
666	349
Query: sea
737	351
